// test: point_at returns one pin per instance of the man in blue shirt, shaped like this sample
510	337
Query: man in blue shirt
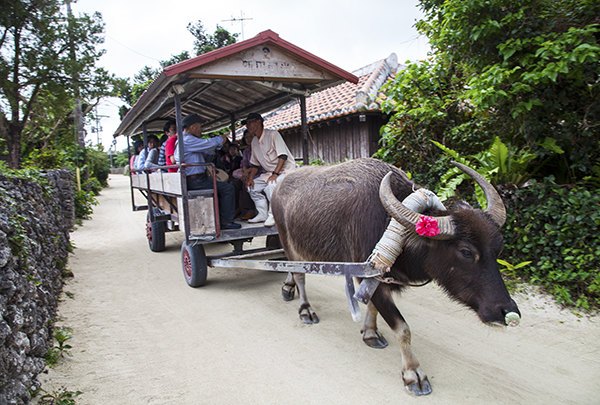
196	149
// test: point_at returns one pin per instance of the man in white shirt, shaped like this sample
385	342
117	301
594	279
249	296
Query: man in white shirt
270	152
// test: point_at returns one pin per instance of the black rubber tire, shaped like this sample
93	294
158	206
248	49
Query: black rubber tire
193	264
155	233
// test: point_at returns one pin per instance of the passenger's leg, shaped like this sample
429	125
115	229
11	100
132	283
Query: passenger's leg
270	221
260	201
226	193
199	183
247	208
237	186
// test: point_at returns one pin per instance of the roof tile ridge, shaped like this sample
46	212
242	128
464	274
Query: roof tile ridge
370	89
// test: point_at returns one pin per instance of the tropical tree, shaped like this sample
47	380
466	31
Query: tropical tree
206	42
47	61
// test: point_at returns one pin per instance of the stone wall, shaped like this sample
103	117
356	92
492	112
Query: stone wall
35	221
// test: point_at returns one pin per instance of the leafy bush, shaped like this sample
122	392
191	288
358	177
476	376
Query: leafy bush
84	202
121	159
61	348
62	396
92	185
524	71
421	102
557	228
47	158
500	164
98	164
94	170
92	161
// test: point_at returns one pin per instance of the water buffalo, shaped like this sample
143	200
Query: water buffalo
339	213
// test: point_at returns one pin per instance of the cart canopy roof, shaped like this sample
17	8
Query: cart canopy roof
223	86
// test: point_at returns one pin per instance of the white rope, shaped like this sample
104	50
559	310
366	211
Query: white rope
391	243
389	247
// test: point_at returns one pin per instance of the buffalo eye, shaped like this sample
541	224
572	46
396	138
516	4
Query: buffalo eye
466	254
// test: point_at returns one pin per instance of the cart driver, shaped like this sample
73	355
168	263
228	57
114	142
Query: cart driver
196	150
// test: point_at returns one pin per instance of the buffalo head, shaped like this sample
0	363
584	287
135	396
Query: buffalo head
461	253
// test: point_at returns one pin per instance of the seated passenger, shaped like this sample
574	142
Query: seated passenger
137	148
171	130
270	153
244	170
196	150
141	159
247	210
151	162
230	160
162	157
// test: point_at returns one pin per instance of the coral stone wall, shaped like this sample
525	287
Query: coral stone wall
35	221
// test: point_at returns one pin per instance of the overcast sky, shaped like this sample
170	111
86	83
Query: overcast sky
350	33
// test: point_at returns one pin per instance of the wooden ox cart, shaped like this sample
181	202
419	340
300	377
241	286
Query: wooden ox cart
223	86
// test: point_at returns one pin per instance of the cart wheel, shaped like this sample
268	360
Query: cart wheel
155	232
193	261
273	242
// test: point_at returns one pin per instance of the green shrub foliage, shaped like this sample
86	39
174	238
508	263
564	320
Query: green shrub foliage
84	203
557	228
98	164
121	159
94	168
525	71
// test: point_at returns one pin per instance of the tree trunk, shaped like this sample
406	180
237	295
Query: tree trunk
3	130
13	139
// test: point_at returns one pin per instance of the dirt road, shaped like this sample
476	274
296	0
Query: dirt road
142	336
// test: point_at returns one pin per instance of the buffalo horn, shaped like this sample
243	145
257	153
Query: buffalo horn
407	216
495	206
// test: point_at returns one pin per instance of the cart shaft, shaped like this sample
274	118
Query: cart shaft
325	268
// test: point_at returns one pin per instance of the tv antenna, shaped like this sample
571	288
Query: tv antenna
239	19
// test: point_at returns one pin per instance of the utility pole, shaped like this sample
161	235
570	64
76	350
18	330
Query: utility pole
241	20
77	114
97	129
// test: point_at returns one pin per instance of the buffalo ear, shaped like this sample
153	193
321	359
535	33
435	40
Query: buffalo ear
462	205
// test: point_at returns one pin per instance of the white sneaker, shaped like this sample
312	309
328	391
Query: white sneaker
258	218
270	221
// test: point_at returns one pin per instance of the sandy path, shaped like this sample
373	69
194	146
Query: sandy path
142	336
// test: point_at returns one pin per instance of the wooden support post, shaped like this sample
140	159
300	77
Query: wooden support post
180	150
304	130
145	134
130	172
232	126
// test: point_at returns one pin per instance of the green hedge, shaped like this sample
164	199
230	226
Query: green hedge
557	228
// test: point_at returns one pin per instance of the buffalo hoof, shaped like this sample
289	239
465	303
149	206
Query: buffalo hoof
288	291
375	342
307	315
416	383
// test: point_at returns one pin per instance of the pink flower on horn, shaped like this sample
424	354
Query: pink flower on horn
427	226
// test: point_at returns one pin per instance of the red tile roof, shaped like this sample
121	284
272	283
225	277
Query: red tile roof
338	101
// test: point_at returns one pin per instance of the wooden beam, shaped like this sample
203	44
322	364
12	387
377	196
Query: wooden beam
304	127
